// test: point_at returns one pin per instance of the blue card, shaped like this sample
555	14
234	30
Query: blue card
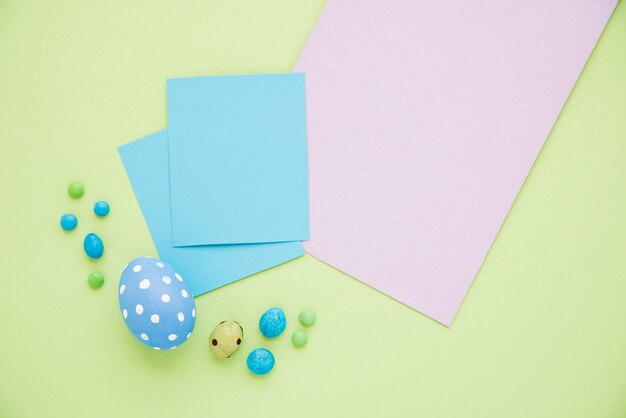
238	159
204	267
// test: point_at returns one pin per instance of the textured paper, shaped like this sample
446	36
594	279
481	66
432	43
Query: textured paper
424	118
238	159
204	267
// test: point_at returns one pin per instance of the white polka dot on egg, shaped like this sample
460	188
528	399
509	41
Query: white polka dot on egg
165	297
125	313
172	337
137	268
139	309
160	265
122	288
180	279
144	284
167	279
188	335
155	318
144	337
193	312
181	316
184	293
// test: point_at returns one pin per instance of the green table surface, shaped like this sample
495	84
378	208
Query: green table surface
542	332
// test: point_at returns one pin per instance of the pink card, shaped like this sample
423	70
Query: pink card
424	118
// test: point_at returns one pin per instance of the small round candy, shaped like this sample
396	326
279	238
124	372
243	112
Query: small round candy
260	361
226	339
307	317
299	338
68	221
273	322
101	208
76	189
93	246
95	280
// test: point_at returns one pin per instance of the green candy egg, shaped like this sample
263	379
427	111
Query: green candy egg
307	317
299	338
95	280
76	189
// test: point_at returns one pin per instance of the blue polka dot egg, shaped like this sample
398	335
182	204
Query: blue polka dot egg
156	303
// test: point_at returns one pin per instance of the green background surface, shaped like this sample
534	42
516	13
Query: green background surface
542	332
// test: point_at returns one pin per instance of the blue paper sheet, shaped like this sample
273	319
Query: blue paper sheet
204	267
238	159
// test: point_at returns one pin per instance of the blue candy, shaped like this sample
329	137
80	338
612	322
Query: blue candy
260	361
93	246
68	221
273	322
101	208
156	304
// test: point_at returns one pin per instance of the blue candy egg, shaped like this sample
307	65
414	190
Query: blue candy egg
260	361
101	208
68	221
273	322
93	246
156	304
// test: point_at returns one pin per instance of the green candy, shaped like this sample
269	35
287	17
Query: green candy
299	338
95	280
307	317
76	189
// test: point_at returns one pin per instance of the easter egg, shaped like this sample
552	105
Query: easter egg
69	221
307	317
273	322
299	338
76	189
260	361
95	280
156	304
93	246
225	339
101	208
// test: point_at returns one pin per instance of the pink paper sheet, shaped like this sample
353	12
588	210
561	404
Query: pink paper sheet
424	118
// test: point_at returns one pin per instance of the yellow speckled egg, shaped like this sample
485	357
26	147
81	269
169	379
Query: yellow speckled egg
226	338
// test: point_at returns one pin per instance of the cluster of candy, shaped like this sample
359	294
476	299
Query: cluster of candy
160	312
228	335
92	244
